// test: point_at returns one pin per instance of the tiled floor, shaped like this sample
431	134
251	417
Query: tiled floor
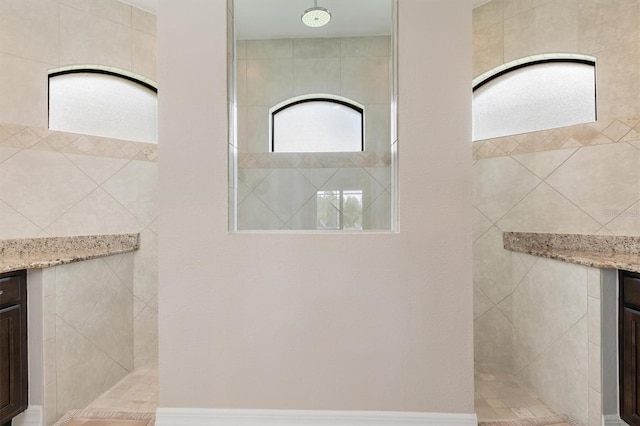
109	422
499	396
137	392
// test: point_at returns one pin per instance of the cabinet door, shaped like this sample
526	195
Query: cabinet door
12	399
630	367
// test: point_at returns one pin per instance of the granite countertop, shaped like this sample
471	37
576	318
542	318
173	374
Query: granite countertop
30	253
598	251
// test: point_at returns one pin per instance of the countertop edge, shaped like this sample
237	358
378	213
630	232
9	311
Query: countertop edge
597	251
35	253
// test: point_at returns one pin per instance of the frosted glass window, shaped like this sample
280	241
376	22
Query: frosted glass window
317	125
535	97
103	105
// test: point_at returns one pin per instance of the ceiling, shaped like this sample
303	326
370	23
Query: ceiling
281	18
256	19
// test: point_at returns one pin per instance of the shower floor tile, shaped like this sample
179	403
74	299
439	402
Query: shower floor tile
137	392
498	396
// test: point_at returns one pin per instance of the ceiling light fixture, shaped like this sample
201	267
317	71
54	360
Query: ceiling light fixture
316	16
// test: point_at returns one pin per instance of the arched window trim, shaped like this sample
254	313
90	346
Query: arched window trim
534	60
317	97
115	72
506	68
137	79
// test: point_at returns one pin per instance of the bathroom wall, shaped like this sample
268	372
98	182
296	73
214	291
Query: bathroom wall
583	178
278	191
555	311
307	321
87	331
56	183
39	35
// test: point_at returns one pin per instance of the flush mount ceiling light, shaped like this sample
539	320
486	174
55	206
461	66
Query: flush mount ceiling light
316	16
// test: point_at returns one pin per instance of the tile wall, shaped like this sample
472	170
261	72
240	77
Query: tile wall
88	331
591	189
40	35
505	30
578	179
556	334
56	183
285	198
279	191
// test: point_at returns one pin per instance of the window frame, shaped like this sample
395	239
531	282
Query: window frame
138	79
126	76
359	108
534	60
479	82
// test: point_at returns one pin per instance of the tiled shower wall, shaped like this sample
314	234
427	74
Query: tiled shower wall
583	178
56	183
278	191
40	35
87	314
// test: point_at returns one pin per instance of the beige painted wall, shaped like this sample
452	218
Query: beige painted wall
304	321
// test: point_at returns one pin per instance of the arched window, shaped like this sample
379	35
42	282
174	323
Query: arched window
102	102
317	123
538	93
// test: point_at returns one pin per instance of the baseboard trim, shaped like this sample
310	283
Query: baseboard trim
219	417
32	416
613	420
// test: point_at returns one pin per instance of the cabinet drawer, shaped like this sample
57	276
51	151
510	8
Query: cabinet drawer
10	293
631	290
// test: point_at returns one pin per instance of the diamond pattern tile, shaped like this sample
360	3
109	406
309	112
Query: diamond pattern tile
97	213
285	191
135	186
542	164
253	214
50	140
498	185
97	168
492	266
598	133
355	179
602	180
480	224
15	225
79	286
32	179
546	210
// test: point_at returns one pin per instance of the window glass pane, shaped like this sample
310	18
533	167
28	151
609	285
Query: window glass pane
317	126
352	210
103	105
340	210
536	97
328	208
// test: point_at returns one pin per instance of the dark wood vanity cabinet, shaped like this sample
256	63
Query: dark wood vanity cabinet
629	346
13	345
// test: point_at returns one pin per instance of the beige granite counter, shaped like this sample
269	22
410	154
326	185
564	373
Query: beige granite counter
32	253
598	251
